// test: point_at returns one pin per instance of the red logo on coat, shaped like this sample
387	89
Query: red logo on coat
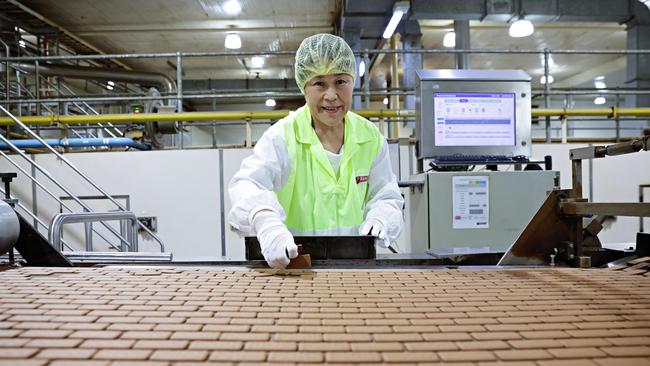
362	179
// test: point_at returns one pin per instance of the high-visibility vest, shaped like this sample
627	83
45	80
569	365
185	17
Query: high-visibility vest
315	197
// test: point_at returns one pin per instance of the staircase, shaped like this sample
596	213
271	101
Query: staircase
32	244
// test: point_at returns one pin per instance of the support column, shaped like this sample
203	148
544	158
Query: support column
411	40
353	37
638	72
461	28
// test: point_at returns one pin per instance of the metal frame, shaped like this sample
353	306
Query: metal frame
71	166
641	199
88	225
546	53
55	233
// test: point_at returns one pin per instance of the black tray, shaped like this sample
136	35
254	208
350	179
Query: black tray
323	247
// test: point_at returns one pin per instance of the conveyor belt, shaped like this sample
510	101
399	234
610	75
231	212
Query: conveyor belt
172	314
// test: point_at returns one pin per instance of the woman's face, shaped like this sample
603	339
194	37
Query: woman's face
329	98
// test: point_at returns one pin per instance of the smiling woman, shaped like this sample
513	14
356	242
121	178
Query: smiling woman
329	99
322	170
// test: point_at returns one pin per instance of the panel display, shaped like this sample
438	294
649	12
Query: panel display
474	119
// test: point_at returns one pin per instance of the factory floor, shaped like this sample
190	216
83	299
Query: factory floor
184	316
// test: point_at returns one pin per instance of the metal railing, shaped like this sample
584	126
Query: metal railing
51	178
181	94
55	231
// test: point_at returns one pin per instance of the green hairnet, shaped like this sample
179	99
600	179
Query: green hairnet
323	54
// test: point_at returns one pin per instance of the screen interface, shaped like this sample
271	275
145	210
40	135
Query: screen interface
474	119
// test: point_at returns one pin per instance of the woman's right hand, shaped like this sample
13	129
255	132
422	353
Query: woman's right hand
276	242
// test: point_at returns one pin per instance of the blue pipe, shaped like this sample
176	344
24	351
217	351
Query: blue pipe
111	142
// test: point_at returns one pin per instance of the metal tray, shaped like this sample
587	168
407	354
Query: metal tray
323	247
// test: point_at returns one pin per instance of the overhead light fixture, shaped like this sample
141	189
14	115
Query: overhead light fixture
600	100
646	3
385	101
449	40
270	102
111	83
599	82
232	7
233	41
399	9
543	79
257	61
22	44
109	87
362	68
521	28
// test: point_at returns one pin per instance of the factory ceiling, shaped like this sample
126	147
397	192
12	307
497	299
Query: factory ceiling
153	26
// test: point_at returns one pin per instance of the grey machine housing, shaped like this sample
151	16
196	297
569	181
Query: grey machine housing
474	81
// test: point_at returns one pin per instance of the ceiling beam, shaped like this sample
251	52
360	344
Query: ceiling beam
63	30
116	29
588	75
551	10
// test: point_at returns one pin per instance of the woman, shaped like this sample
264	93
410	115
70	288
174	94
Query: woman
322	170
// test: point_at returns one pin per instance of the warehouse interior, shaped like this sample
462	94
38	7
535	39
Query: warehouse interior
517	131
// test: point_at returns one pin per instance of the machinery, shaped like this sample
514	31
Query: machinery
468	119
556	233
458	213
473	113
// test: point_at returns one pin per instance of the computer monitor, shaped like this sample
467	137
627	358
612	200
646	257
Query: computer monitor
473	112
474	119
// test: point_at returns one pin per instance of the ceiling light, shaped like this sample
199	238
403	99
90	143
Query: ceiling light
521	28
232	7
385	101
600	100
599	82
449	40
109	87
22	44
543	79
400	8
362	68
270	102
257	61
646	3
111	83
233	41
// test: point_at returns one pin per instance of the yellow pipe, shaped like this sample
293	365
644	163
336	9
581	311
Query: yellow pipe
275	115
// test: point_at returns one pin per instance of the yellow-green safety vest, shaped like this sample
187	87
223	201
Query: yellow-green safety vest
315	197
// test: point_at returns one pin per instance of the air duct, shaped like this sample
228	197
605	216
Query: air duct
162	81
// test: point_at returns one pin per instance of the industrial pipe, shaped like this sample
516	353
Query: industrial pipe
96	73
274	115
9	227
428	51
94	142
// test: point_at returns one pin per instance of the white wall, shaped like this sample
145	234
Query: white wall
182	188
617	179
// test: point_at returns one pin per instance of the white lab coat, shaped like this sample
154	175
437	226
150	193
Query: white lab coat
267	170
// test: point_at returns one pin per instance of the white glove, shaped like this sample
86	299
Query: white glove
275	239
375	228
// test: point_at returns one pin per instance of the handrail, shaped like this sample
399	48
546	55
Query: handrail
40	185
75	169
71	93
56	227
44	104
94	111
120	257
7	70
